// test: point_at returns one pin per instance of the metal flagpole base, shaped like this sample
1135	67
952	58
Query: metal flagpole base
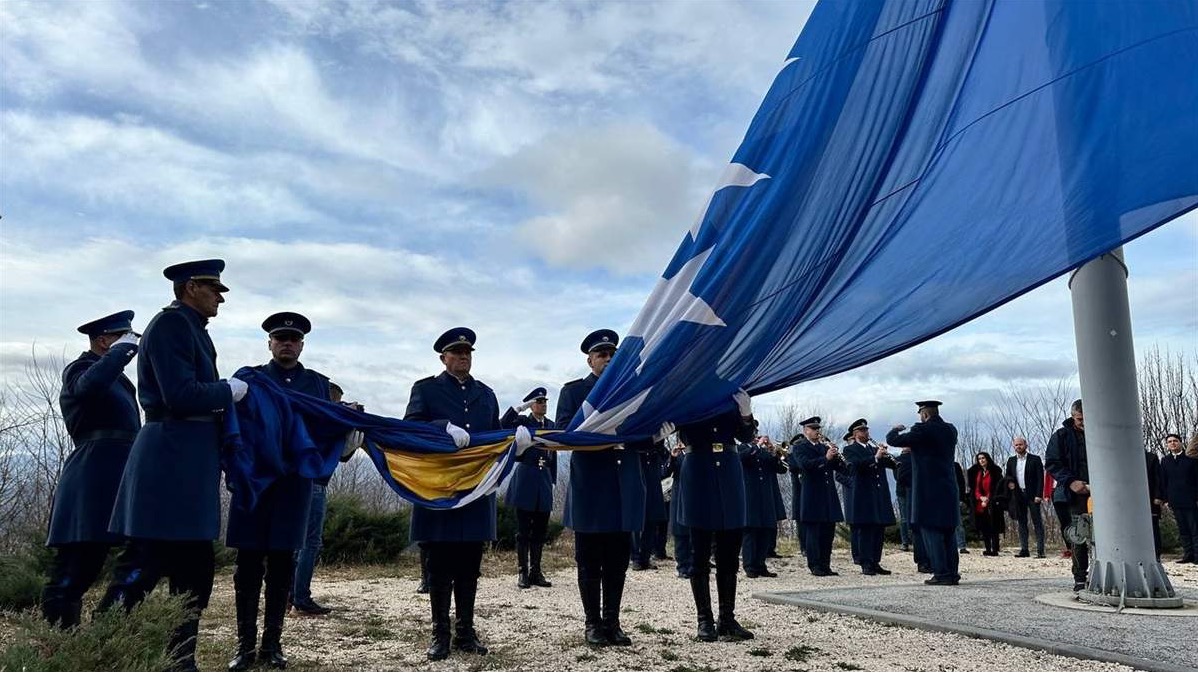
1109	582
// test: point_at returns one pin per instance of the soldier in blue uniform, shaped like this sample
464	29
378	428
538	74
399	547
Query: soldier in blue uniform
683	555
604	505
845	480
712	502
759	468
99	409
872	507
530	490
168	502
454	539
819	509
796	496
934	498
267	537
771	536
651	455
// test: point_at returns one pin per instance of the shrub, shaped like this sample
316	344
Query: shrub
1170	536
20	583
355	535
113	641
506	528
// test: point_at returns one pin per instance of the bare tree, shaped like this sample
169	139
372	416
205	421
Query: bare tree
1034	411
1168	394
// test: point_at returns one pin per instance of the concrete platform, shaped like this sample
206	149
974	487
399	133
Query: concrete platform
1015	612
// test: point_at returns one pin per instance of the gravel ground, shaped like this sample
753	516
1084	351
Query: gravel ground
380	623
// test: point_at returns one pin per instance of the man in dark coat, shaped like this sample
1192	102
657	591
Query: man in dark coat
934	498
873	510
1153	464
604	505
99	409
530	490
771	536
1028	471
267	537
169	498
1179	489
454	539
759	468
796	495
1065	458
820	510
683	555
644	542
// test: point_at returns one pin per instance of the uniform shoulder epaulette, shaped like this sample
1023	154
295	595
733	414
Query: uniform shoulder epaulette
572	383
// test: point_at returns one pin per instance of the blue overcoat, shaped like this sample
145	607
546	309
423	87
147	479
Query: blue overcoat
820	502
796	484
535	472
170	489
776	489
871	489
99	408
279	520
711	483
934	495
652	455
607	489
674	470
759	468
470	405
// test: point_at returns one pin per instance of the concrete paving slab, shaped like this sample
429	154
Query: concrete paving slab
1008	611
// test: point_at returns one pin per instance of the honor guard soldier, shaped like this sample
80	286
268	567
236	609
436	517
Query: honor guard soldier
934	498
99	409
711	500
820	506
169	498
683	554
796	496
454	539
652	457
267	537
845	480
872	508
760	467
604	505
530	490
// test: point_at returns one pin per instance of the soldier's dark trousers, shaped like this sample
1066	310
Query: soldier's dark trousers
727	543
1187	530
869	544
801	535
819	544
754	544
643	543
771	541
277	567
661	531
940	544
76	568
1156	535
918	548
855	542
1024	509
684	559
602	560
531	527
453	570
187	565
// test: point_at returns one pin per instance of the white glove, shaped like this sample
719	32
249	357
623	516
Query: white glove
127	338
523	440
238	387
743	403
522	407
353	440
460	437
667	429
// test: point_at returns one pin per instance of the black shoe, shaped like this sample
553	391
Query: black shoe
466	640
766	573
906	548
684	575
1023	553
1185	560
439	648
940	581
1040	555
422	588
537	578
1079	586
662	558
773	555
752	574
274	658
821	572
963	551
638	566
615	635
312	608
243	660
522	580
707	631
880	571
924	568
596	636
730	630
868	571
829	572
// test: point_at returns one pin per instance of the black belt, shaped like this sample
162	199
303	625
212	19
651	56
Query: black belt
128	436
159	416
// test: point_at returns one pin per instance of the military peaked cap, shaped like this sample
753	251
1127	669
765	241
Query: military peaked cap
121	321
812	422
199	270
287	321
860	423
454	338
600	339
538	392
928	403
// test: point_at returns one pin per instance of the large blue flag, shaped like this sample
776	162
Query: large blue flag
915	164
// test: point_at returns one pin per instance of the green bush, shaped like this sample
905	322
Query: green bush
506	528
1170	536
20	583
113	641
355	535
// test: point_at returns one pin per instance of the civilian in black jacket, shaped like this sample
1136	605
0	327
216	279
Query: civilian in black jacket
1028	471
1179	488
1066	460
1153	464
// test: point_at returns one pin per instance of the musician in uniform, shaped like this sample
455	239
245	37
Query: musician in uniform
759	468
454	539
934	497
872	508
530	490
99	410
820	509
711	500
168	502
267	537
604	505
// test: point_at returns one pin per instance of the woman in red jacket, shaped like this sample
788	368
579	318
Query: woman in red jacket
987	500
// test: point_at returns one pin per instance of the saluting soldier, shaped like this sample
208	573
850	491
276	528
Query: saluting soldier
604	505
267	537
934	497
99	409
645	542
711	500
820	506
872	507
169	498
530	490
758	470
454	539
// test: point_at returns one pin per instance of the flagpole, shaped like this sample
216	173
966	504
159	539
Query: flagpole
1124	570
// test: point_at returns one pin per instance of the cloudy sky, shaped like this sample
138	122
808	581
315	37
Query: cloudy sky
396	169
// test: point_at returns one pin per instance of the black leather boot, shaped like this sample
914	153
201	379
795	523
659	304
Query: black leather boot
522	564
439	598
465	639
55	608
589	590
245	599
728	628
535	576
423	587
701	590
183	646
271	651
613	594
